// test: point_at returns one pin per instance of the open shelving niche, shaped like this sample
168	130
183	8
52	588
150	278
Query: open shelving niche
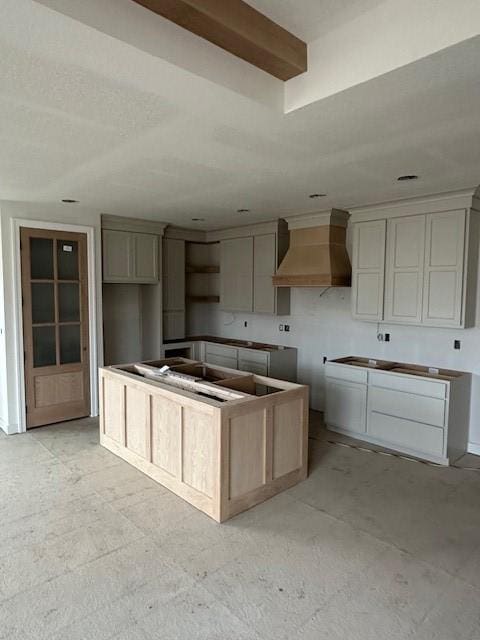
202	272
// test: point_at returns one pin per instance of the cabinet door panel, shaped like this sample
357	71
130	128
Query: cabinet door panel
173	274
346	405
117	256
405	261
368	270
444	268
146	257
236	274
264	261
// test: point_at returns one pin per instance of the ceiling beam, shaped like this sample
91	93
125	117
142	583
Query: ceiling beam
240	29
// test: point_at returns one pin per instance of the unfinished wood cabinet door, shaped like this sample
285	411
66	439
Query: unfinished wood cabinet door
264	267
444	269
55	325
404	278
368	270
145	254
118	261
236	274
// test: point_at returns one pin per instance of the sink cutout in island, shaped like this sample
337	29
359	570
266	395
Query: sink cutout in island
222	439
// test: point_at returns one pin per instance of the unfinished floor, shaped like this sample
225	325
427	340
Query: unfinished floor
368	547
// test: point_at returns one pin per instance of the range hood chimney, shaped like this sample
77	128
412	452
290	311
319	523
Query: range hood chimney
317	255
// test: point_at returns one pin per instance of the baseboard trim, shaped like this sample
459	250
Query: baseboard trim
473	448
9	429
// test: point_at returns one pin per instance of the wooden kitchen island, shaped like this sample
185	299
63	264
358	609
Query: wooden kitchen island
221	439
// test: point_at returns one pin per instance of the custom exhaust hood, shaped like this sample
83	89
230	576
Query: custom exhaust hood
317	255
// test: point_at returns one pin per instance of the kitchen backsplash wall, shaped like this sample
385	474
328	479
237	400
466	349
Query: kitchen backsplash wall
321	325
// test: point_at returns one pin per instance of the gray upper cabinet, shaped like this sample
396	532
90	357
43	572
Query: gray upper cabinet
426	276
130	257
236	269
264	266
173	274
368	270
173	278
444	268
404	269
145	257
248	263
117	256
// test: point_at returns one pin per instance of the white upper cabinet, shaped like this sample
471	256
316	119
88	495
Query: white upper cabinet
430	264
236	274
444	268
130	257
404	269
368	270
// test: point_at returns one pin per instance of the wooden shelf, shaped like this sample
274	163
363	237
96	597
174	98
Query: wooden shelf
203	298
207	268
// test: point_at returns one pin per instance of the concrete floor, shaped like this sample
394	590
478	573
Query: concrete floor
369	547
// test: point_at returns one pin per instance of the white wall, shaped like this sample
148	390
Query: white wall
63	214
323	326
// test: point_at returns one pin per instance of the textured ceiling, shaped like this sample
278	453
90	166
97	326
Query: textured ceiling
309	19
88	117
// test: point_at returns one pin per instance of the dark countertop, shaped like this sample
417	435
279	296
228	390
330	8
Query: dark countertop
230	342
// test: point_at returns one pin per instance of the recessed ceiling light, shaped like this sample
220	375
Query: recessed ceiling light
198	219
407	177
69	201
243	210
317	195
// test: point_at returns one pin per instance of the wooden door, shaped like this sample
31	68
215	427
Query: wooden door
55	325
236	274
368	270
264	267
405	260
444	269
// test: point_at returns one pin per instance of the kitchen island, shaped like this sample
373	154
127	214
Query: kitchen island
223	440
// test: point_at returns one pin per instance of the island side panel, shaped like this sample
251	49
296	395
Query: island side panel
170	438
265	449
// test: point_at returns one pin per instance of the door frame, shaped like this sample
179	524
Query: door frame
17	224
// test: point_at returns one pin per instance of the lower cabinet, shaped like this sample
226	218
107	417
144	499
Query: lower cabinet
221	355
346	406
414	414
275	363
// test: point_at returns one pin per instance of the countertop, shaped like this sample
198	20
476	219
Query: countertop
230	342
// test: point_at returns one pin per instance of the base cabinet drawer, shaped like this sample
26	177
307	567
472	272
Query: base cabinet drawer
423	438
407	405
222	361
346	406
253	367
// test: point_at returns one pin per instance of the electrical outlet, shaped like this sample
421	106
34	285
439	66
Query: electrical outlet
287	327
280	327
386	337
457	344
324	359
380	337
245	324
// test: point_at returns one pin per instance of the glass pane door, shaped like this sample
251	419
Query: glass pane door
55	301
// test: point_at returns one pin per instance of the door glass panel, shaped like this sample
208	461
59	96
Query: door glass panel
41	258
68	302
67	259
70	343
44	352
43	302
